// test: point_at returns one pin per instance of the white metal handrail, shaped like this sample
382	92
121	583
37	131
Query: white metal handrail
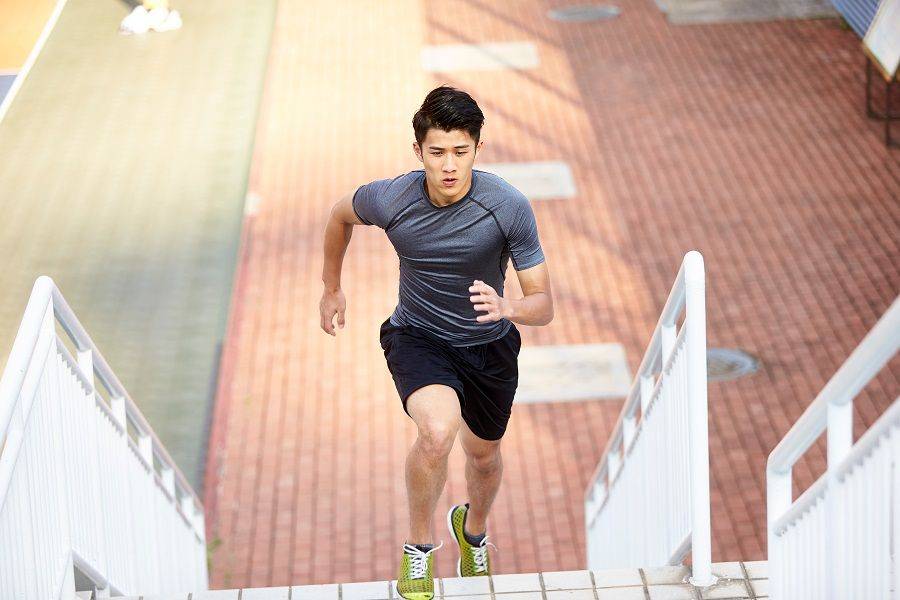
647	503
85	483
841	538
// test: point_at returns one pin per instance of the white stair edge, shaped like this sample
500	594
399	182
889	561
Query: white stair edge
737	581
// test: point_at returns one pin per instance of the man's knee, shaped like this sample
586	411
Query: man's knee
435	410
486	460
436	437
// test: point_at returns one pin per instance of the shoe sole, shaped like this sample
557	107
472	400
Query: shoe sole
453	533
397	591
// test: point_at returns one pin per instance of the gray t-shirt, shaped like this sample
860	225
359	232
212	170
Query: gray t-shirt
442	250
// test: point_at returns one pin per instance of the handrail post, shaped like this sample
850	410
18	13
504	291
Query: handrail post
145	449
831	411
42	372
673	366
628	430
646	391
167	477
896	492
614	464
839	431
695	322
778	501
117	406
23	348
667	342
839	436
86	364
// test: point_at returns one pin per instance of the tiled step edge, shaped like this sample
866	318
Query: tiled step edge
737	581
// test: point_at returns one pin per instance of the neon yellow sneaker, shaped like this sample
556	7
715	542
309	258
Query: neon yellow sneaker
416	578
473	560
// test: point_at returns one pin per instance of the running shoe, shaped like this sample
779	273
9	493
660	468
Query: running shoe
163	19
137	22
416	579
473	560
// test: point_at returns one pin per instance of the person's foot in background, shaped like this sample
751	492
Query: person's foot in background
151	15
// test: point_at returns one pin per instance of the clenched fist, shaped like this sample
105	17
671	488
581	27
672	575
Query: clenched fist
486	299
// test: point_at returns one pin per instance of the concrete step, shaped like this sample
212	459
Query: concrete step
738	581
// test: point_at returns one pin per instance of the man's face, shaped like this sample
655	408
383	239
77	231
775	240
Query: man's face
448	157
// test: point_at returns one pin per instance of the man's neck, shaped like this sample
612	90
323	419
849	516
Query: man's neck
441	202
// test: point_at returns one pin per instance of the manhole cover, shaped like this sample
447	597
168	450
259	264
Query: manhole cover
586	12
729	363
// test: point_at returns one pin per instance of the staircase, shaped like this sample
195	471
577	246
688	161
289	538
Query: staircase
736	581
111	513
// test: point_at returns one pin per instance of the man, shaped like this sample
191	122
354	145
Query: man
450	344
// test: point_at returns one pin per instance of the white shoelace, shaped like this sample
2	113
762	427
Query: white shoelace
479	555
418	560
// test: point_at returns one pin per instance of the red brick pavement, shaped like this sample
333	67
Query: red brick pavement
745	141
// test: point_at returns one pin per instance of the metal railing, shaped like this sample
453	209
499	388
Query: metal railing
841	538
84	482
648	502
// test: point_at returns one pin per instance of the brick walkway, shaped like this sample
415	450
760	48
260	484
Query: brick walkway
744	141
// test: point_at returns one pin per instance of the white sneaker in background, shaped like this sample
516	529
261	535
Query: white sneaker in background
156	16
170	23
135	23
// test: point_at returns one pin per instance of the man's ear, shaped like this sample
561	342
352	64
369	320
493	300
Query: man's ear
418	150
479	145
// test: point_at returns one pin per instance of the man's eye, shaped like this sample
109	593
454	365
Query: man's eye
460	153
435	153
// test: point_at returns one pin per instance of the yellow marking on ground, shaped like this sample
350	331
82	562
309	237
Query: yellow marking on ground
21	22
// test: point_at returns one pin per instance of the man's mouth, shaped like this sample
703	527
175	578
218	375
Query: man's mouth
448	182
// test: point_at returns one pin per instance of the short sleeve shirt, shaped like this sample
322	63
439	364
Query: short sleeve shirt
442	250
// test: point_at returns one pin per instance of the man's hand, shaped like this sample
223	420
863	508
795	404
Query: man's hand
485	298
332	302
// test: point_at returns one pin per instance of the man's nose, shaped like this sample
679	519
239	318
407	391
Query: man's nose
449	165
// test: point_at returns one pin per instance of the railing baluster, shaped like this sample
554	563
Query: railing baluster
654	500
851	540
893	443
73	491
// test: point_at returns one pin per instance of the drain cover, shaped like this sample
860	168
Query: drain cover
729	363
585	12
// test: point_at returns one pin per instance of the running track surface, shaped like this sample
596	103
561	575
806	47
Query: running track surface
745	141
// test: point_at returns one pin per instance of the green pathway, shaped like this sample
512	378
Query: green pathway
123	170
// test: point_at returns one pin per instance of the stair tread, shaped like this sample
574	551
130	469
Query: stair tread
736	580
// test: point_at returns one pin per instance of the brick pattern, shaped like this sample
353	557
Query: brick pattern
745	141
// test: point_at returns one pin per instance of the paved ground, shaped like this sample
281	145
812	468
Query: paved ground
745	141
725	11
125	162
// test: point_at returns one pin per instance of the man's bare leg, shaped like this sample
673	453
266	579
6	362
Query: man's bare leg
435	410
484	471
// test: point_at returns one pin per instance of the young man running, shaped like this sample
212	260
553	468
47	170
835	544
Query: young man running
450	344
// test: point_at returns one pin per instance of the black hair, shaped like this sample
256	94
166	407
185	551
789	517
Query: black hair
448	108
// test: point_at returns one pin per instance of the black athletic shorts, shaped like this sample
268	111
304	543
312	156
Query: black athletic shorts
484	376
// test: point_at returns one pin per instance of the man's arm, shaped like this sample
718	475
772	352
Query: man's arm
535	308
338	232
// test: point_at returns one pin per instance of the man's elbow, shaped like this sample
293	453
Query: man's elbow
548	312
